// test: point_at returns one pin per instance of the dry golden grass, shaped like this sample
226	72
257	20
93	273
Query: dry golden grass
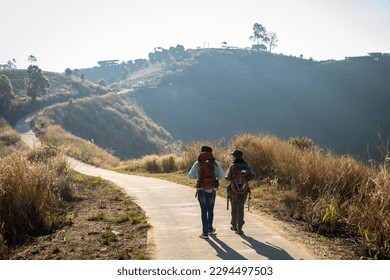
10	140
74	146
37	191
335	195
32	188
153	164
47	205
166	163
370	210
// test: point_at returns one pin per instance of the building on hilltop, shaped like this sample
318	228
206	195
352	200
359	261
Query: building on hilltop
107	63
376	56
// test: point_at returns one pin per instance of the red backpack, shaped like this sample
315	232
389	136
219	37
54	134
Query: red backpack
207	171
240	178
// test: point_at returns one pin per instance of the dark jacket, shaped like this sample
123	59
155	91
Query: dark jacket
229	174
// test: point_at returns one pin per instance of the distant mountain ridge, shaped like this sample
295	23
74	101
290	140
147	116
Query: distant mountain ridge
341	105
209	94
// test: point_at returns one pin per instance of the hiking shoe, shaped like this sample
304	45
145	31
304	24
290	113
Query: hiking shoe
233	228
212	231
204	236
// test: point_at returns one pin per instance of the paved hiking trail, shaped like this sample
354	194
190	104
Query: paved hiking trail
174	213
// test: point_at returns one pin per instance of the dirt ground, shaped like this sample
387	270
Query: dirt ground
325	248
104	224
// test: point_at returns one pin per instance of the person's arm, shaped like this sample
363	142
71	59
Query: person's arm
193	173
228	176
220	172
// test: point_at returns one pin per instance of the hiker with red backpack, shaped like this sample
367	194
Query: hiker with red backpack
239	174
207	171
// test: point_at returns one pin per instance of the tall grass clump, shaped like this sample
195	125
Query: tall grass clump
261	152
370	211
33	187
154	164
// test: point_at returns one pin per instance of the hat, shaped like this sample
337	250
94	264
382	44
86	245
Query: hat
237	153
206	149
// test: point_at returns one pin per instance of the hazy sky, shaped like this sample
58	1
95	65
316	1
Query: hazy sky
78	33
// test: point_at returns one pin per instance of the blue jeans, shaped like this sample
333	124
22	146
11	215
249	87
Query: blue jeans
206	202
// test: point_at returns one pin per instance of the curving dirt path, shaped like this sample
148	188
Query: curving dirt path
174	214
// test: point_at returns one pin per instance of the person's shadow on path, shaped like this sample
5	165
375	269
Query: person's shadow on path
227	253
224	251
269	251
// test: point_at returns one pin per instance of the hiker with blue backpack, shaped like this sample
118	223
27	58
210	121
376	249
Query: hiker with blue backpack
207	170
239	174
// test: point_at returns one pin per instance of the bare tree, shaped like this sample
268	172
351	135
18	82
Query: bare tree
273	41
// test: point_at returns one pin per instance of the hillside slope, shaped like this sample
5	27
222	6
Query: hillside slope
341	105
88	111
62	88
112	123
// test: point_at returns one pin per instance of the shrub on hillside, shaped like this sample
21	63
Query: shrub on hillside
301	142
